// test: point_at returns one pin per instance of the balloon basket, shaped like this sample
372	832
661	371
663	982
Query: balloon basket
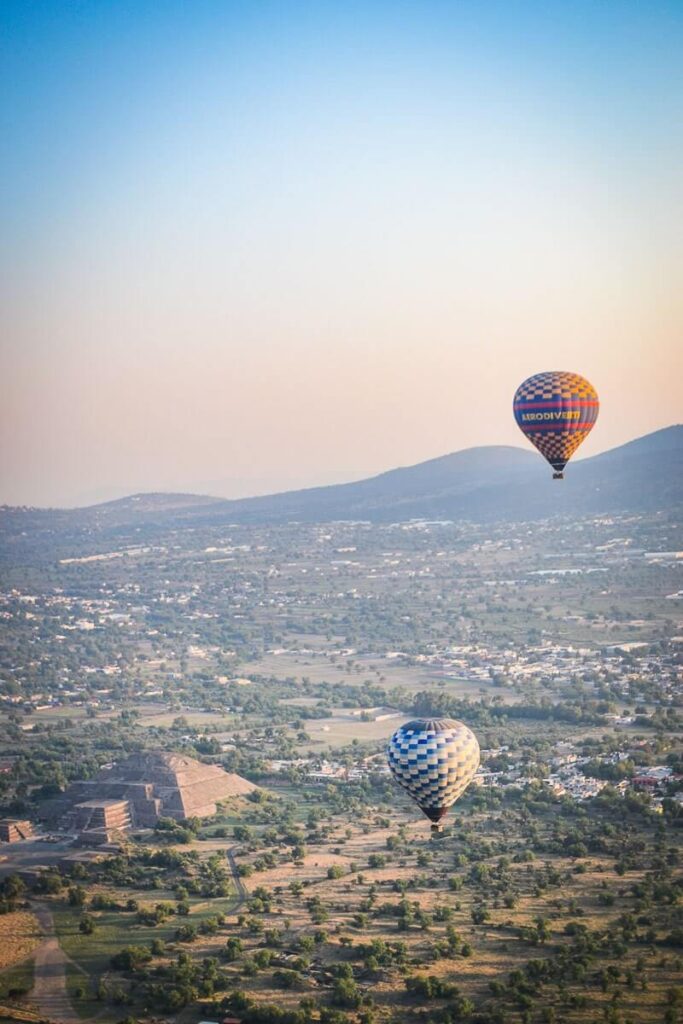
437	830
558	476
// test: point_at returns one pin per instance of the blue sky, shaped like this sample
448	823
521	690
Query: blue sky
252	246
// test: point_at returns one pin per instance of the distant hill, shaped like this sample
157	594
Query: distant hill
492	482
487	483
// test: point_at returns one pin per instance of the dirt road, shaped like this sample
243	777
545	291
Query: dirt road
49	988
237	879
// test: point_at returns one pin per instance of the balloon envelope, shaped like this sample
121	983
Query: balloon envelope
434	760
556	411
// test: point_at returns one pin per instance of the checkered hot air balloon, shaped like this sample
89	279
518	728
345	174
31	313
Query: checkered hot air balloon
556	411
434	760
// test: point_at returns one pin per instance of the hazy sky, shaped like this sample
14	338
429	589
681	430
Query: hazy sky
250	246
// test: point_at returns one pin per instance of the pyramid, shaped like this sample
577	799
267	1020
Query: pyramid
155	784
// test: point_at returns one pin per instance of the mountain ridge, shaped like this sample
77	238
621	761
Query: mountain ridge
482	482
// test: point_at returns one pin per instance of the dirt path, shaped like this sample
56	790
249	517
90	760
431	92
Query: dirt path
49	988
237	879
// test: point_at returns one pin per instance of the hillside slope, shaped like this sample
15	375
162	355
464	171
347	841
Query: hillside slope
494	482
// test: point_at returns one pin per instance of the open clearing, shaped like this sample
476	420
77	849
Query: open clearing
341	730
165	719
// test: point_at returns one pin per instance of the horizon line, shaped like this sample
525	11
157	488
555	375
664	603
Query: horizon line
316	487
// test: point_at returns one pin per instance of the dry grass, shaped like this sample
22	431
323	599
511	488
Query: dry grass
19	935
498	946
340	730
165	719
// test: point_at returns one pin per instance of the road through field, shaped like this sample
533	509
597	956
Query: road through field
237	879
49	987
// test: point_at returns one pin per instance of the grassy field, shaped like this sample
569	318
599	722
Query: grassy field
18	977
165	719
412	678
50	716
81	991
114	930
341	730
320	668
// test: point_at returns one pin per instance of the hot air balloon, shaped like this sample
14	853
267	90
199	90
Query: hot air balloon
434	759
556	411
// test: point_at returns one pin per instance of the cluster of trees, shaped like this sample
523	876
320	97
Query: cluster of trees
439	704
252	1012
427	988
171	985
151	869
185	831
12	893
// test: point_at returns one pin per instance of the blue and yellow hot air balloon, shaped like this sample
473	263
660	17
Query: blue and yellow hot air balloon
434	759
556	411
